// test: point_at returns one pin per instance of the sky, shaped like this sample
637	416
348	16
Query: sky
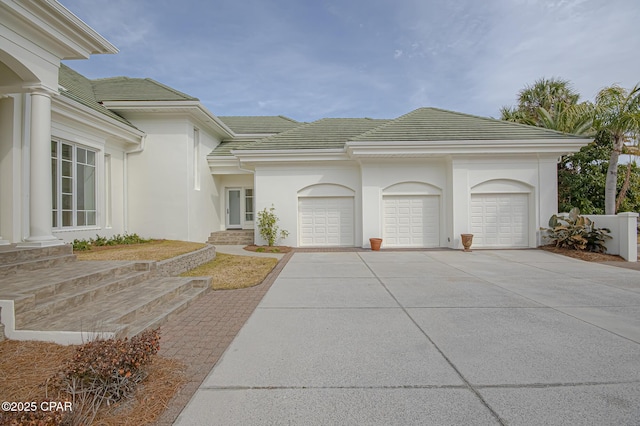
311	59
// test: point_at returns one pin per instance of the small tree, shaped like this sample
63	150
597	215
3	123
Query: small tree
268	226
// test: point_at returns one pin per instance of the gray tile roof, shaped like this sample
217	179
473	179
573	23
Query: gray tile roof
433	124
80	89
135	89
322	134
251	125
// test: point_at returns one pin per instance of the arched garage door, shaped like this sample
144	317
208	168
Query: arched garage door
500	220
326	221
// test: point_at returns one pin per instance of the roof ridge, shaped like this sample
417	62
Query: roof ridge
491	119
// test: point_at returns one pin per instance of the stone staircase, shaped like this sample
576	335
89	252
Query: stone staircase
46	294
232	237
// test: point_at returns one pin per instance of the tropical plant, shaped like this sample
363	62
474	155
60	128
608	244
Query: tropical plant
576	232
268	226
618	113
553	104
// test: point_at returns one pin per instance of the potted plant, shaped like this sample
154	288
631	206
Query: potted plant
467	239
375	243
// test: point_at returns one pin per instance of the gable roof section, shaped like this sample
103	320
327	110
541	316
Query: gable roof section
135	89
253	125
79	88
328	133
433	124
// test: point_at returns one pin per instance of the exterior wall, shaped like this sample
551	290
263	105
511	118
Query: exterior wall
467	173
378	175
165	199
624	234
278	185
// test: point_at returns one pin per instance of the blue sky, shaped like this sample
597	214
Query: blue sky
310	59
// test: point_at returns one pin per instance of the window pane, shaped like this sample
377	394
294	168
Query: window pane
67	152
86	186
81	155
91	158
66	168
249	192
91	218
54	182
54	219
67	218
54	149
80	219
248	205
67	201
67	185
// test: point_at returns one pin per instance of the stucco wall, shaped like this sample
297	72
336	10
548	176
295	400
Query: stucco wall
164	199
279	186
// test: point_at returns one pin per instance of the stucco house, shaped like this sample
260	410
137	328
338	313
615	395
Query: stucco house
81	157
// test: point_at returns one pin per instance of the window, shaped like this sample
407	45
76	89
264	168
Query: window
248	204
73	171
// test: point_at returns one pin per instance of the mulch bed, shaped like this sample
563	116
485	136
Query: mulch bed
583	255
268	249
27	367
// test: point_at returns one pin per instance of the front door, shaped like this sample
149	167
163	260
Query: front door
234	213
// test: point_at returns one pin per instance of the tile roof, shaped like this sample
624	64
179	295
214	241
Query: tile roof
433	124
79	88
259	124
135	89
322	134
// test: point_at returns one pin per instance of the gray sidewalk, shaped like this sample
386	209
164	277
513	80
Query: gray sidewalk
490	337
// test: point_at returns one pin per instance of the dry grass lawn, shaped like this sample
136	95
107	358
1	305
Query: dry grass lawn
231	272
25	368
155	250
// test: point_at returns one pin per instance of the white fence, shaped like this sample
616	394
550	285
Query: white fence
624	230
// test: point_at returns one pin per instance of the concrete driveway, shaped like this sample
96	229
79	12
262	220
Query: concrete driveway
434	337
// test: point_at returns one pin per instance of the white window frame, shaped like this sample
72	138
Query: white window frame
57	185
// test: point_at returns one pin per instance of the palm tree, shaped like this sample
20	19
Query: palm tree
617	112
553	104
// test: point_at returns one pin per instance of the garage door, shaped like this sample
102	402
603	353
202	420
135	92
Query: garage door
500	220
326	221
411	220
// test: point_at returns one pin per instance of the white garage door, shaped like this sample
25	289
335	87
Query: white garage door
411	221
326	221
500	220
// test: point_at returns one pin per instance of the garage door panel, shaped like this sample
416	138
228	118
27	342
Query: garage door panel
411	221
500	220
326	221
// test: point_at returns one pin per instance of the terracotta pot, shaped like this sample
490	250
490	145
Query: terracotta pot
375	243
467	239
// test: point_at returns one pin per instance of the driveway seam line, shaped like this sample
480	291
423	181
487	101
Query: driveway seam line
458	372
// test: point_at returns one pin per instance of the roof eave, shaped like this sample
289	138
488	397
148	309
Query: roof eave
190	107
73	37
463	147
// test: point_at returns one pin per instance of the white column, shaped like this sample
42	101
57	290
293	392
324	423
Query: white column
40	200
2	242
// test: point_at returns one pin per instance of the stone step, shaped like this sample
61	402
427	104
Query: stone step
32	288
154	298
232	237
70	296
14	259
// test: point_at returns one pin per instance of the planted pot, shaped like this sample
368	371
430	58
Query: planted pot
375	243
467	240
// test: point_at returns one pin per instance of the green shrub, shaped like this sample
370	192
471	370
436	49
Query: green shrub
268	226
83	245
576	232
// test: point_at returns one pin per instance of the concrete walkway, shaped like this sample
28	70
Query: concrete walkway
490	337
